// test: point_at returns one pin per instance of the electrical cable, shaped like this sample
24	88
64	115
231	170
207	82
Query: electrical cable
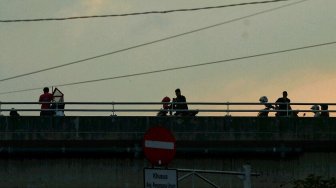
151	42
140	13
178	68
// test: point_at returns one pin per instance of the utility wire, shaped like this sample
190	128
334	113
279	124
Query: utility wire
139	13
181	67
151	42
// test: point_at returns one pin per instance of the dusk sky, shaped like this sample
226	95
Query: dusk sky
308	74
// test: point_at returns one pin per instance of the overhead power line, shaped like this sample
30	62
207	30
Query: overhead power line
139	13
149	43
181	67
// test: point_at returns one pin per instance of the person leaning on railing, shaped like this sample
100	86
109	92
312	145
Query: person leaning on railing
283	104
46	98
315	109
324	113
14	113
181	103
166	107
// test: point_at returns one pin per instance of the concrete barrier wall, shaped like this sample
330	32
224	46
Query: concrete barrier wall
184	128
128	172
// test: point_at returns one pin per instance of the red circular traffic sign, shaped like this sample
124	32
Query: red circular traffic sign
159	146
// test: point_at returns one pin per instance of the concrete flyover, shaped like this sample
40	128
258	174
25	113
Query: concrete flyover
280	149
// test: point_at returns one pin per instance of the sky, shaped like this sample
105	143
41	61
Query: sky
308	75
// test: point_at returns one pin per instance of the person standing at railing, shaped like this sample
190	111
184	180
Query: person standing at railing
324	113
283	104
14	113
267	109
46	97
315	109
180	99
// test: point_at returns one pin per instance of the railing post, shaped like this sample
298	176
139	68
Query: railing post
247	176
193	180
172	107
113	114
56	109
228	108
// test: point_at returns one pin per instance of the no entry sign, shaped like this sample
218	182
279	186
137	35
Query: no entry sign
159	146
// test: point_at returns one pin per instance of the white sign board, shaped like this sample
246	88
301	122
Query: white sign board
160	178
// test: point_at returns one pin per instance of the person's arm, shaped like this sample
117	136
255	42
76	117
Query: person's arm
185	100
288	105
276	105
174	105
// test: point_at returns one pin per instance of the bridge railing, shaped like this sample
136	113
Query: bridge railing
151	108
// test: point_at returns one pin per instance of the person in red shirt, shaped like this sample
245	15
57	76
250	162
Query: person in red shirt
45	97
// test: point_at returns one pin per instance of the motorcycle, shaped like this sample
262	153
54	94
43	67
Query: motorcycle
168	108
268	108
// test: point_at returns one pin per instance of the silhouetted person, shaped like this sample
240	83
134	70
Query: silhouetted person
267	109
45	97
180	99
324	107
283	104
14	113
166	107
315	109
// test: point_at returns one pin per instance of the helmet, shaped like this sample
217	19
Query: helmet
166	99
263	99
315	107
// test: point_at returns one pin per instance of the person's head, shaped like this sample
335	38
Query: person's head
284	94
263	99
165	99
324	107
46	90
315	107
177	92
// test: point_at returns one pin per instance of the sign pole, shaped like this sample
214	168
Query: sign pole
159	148
247	176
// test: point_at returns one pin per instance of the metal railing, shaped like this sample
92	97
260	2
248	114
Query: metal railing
245	175
143	108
